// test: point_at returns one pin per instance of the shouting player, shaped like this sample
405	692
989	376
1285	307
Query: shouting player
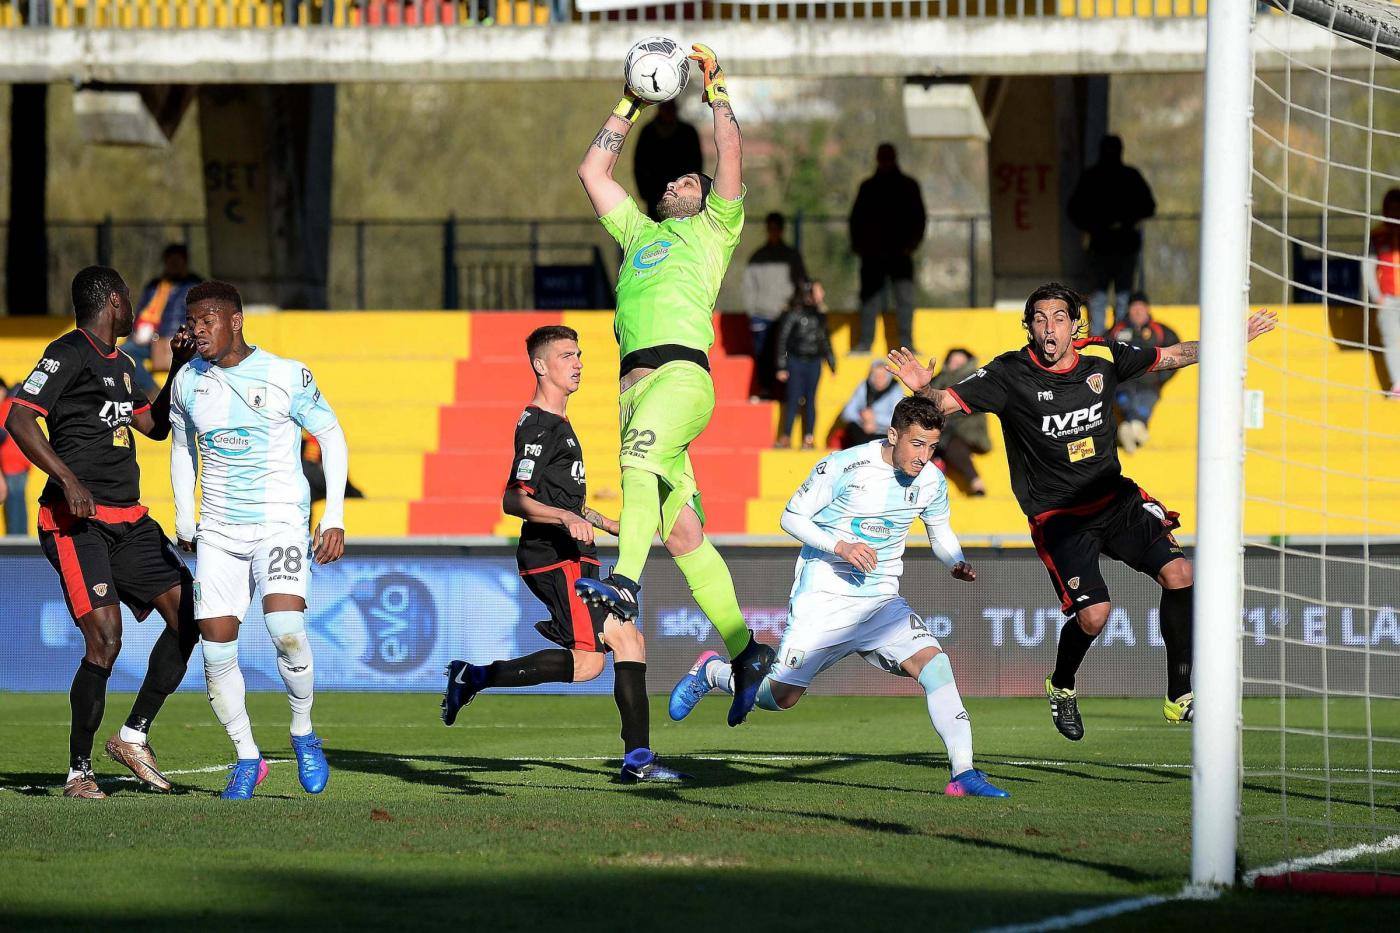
237	416
666	289
92	526
1054	397
547	488
852	516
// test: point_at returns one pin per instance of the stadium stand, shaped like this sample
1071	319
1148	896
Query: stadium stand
429	402
262	14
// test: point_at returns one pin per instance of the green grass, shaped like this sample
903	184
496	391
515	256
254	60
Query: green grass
831	815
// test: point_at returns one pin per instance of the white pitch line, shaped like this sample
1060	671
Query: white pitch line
1330	857
1088	915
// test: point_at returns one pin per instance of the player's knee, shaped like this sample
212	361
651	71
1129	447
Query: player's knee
1092	619
587	665
1177	575
776	696
219	655
102	636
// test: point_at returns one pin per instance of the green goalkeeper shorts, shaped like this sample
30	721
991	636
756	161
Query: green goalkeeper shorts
661	415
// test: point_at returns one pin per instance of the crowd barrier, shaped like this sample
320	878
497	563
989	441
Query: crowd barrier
390	619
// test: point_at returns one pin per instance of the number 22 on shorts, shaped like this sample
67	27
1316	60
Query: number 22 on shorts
636	443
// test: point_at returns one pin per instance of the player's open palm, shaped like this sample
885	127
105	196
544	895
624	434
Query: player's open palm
329	545
962	570
905	366
1261	322
859	555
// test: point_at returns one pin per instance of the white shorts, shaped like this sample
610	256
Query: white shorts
235	561
823	628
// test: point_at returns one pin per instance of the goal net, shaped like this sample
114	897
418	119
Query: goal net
1320	640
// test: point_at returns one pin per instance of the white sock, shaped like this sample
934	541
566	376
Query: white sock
720	676
72	774
133	736
288	631
945	708
227	694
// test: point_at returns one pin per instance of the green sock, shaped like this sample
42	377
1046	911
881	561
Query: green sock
713	590
641	516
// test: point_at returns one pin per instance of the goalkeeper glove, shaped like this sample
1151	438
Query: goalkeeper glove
630	106
715	90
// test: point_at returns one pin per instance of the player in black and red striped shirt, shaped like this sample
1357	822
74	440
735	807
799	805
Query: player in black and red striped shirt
1054	397
548	489
92	526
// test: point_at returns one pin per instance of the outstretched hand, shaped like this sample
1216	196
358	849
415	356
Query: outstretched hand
705	57
1261	322
905	367
962	570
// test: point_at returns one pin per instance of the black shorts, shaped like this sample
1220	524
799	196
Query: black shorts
572	623
1129	526
120	556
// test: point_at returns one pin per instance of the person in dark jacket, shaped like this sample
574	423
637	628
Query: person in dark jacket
1108	204
667	148
964	435
1137	398
886	226
802	344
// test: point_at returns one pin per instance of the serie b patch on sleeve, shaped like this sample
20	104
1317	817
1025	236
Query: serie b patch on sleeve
1081	449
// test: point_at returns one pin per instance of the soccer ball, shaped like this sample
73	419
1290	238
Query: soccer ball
656	69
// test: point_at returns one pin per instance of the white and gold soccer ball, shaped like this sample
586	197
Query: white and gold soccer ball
656	69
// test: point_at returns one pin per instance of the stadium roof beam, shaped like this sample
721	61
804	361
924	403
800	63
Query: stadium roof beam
885	48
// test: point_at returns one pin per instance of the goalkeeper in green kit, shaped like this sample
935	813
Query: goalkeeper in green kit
666	289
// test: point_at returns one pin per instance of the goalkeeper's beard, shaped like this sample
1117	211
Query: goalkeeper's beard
677	207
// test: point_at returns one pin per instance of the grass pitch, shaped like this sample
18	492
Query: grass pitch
828	816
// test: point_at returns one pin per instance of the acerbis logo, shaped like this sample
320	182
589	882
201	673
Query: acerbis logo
231	442
873	529
653	254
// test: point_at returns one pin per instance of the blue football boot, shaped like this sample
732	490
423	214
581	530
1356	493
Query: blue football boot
247	774
464	682
312	770
973	783
750	667
641	766
691	688
618	595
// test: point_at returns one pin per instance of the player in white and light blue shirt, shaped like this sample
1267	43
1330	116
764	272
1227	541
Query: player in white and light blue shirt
236	417
853	516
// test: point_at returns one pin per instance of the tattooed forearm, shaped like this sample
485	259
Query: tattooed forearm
1183	354
723	107
609	140
596	519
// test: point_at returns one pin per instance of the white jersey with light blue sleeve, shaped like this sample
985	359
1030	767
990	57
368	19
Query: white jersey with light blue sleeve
856	496
244	423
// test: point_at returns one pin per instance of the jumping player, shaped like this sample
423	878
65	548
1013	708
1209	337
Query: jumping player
92	526
666	289
237	416
547	488
852	516
1055	401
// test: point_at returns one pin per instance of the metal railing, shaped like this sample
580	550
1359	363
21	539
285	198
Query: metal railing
490	263
264	14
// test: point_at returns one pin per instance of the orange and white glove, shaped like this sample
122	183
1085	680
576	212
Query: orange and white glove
709	68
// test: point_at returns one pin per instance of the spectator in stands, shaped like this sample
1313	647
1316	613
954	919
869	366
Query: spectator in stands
1108	204
963	435
772	277
667	148
160	313
870	409
1382	275
1138	397
887	225
15	468
802	344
